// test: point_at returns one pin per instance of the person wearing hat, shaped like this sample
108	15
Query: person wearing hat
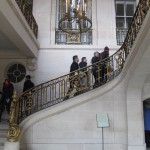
105	53
28	84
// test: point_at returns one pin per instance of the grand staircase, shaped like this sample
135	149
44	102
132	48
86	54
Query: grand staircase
57	90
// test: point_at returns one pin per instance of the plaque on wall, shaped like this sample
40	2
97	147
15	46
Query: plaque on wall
102	120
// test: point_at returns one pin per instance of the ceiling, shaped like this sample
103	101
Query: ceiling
5	43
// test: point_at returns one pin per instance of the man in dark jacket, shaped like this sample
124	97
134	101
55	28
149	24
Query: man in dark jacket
74	66
28	84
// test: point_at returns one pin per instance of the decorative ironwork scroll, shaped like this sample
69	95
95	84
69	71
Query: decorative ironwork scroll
14	130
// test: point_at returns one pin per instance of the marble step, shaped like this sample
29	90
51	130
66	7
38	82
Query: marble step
3	139
4	126
2	143
1	147
3	134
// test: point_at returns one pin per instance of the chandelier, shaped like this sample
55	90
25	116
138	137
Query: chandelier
75	20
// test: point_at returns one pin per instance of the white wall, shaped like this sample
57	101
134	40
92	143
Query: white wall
54	60
76	127
9	57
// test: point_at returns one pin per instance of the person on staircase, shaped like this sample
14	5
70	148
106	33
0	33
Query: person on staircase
96	68
7	94
104	73
83	74
73	77
28	84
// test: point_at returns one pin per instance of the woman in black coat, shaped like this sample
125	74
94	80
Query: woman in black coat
96	68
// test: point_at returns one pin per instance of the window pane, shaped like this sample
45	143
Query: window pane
119	9
129	10
128	20
62	37
120	22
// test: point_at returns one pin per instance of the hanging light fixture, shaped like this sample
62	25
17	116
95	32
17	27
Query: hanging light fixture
75	20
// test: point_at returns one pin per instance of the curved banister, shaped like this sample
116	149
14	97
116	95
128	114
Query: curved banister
58	90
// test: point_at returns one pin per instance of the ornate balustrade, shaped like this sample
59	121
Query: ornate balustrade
25	9
58	90
69	38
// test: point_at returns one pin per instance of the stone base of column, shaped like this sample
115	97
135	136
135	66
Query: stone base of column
12	146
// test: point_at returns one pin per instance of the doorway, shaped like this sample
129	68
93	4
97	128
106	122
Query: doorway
146	111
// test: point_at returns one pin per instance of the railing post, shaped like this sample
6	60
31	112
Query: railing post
89	76
14	130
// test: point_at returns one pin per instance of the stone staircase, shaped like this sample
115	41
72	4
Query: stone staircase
3	130
3	134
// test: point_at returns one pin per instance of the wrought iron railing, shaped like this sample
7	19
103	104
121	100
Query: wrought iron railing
26	11
121	35
62	38
65	87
